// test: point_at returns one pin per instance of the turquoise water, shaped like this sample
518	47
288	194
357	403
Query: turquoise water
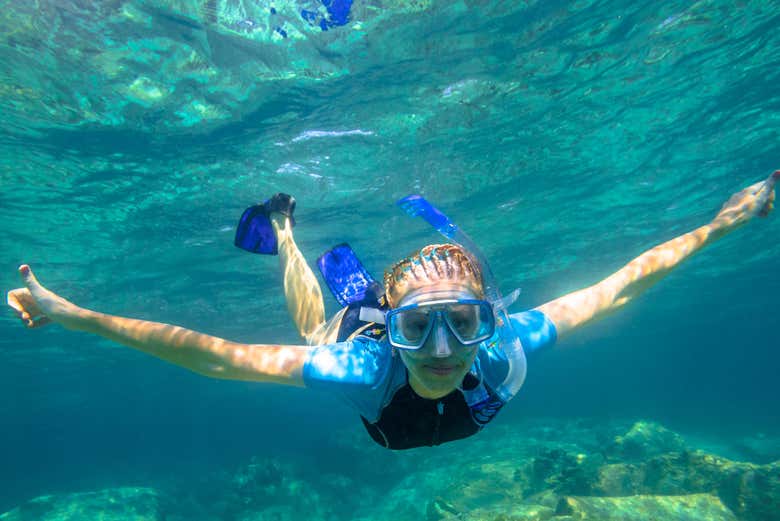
566	137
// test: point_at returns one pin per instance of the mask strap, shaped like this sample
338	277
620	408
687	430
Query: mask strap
507	300
372	315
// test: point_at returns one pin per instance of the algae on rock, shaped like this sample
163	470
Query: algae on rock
695	507
113	504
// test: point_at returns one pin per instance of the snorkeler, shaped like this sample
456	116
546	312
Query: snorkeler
428	357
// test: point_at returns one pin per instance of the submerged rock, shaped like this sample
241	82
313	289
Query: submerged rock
580	473
270	489
115	504
649	460
646	439
558	470
516	513
751	491
695	507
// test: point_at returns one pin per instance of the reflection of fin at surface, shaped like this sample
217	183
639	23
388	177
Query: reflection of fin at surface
210	11
338	14
170	16
189	27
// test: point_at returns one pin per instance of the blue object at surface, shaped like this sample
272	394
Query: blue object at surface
338	14
338	10
344	274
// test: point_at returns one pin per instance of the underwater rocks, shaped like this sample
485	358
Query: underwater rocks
749	490
550	470
696	507
650	460
115	504
640	471
261	489
646	439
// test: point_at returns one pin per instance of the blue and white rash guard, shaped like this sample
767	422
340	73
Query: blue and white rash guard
366	373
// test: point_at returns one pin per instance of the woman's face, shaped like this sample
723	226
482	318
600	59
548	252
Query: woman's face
438	367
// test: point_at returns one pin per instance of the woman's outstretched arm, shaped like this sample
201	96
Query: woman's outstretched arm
579	307
204	354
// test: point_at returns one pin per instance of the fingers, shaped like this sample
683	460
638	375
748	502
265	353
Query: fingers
754	189
765	188
757	188
32	323
769	206
23	300
15	300
12	300
769	184
42	321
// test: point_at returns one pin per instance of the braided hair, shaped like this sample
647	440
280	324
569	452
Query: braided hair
432	263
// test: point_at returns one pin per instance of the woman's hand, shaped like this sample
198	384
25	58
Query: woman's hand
36	306
757	199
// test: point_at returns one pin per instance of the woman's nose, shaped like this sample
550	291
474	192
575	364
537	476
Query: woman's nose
441	341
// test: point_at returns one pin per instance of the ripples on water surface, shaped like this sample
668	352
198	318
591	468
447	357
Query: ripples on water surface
566	136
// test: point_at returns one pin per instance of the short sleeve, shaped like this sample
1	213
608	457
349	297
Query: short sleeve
359	371
535	329
354	362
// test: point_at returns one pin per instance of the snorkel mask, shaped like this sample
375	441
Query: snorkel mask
471	321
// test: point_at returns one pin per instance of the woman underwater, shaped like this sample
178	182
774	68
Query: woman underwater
429	358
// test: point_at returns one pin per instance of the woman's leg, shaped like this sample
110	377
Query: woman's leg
301	289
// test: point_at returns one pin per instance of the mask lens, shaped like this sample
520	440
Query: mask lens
412	326
463	319
471	322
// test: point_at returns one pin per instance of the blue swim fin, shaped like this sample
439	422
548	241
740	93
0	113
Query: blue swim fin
346	277
255	233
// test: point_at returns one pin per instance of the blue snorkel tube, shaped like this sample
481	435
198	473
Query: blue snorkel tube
418	206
